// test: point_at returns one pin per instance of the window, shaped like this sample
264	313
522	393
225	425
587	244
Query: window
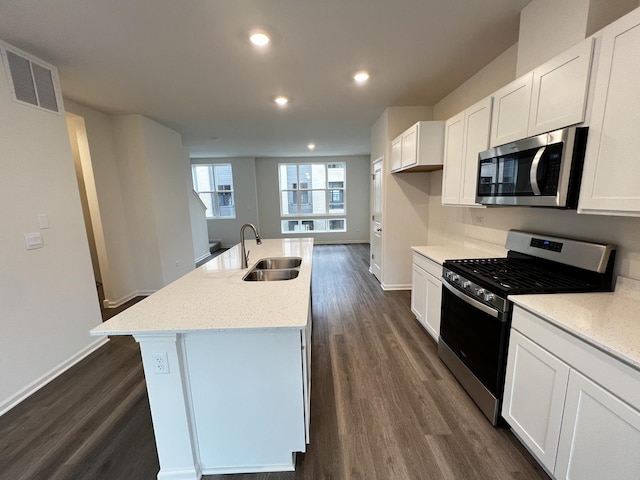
312	193
214	185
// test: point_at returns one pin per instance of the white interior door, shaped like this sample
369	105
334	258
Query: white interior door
376	221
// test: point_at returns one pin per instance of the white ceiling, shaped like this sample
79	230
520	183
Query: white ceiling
188	63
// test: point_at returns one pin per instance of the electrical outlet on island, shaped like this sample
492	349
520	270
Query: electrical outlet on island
160	363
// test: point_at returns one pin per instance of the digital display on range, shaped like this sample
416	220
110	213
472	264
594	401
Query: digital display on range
546	244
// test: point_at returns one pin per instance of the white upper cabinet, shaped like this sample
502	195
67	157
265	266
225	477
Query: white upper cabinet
419	148
560	87
510	119
466	135
396	154
550	97
610	180
453	148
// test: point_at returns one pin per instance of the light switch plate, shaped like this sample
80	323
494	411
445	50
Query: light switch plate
33	240
43	220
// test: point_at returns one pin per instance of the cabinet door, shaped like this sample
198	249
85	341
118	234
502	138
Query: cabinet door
600	435
611	171
477	126
559	92
453	150
434	301
396	154
534	393
510	120
410	147
419	293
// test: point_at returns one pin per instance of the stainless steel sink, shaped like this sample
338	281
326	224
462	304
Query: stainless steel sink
277	263
257	275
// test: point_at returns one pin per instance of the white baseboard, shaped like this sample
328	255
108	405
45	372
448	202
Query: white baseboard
116	303
202	257
58	370
395	287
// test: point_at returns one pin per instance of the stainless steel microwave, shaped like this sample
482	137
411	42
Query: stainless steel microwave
542	171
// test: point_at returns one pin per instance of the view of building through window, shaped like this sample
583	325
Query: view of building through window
214	185
313	194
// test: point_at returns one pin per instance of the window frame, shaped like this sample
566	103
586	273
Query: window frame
302	194
216	192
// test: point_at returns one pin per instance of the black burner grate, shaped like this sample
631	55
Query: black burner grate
520	276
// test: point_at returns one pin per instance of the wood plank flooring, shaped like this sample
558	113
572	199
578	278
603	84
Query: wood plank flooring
383	406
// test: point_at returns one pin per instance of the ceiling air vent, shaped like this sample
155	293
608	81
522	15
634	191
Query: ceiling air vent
31	83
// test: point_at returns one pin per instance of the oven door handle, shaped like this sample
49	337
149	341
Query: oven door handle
472	301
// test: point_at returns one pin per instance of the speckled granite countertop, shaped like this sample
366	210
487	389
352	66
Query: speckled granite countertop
609	321
214	296
440	253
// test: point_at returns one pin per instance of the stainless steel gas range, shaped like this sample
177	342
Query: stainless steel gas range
476	313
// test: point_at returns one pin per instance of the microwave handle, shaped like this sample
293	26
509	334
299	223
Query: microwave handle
533	173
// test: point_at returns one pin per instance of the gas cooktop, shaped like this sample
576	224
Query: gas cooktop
537	263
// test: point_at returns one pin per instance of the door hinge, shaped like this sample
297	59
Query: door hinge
373	217
372	256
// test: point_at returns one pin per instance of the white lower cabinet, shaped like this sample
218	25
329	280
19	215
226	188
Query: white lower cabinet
534	396
600	434
575	408
426	293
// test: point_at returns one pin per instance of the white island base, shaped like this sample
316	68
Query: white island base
227	365
249	385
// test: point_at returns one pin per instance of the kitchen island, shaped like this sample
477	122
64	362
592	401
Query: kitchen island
227	364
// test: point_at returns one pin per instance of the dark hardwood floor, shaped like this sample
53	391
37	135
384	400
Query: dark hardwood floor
383	406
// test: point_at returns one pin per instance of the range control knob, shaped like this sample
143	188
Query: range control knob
448	275
479	291
455	277
465	284
488	297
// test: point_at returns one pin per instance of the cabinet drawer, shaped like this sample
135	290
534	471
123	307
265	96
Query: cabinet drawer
428	265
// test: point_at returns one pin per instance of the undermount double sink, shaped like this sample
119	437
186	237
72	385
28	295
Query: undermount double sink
274	269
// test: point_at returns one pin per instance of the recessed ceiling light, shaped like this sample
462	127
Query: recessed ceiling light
282	101
311	146
361	77
260	39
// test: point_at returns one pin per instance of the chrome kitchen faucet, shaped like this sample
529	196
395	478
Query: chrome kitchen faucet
245	254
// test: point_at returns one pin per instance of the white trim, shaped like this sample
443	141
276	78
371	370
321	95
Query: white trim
250	469
387	288
55	372
202	257
195	194
180	474
106	303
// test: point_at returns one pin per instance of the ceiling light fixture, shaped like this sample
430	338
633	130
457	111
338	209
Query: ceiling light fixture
282	101
259	39
361	77
311	146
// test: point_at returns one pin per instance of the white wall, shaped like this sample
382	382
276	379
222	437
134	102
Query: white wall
110	227
200	233
227	230
357	199
48	297
548	27
405	197
457	224
168	169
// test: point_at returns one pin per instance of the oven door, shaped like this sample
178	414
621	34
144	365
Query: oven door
477	335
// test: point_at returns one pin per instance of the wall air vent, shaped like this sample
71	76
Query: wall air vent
31	82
